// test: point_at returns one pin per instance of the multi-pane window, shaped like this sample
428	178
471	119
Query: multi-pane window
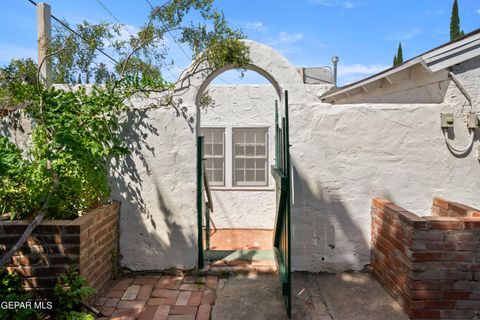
214	153
250	158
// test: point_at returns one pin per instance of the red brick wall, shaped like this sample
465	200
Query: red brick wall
88	241
431	265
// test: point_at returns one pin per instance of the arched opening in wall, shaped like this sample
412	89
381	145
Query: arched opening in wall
239	150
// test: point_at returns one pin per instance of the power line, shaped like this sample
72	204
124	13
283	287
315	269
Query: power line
170	34
76	33
103	52
168	70
178	44
114	17
151	6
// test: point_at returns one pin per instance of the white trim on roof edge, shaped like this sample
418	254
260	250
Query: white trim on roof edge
434	60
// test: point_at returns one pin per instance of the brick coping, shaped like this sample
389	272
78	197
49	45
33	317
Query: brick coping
64	222
446	215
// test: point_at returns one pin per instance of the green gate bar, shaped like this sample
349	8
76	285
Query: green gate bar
277	136
287	232
207	227
282	174
200	174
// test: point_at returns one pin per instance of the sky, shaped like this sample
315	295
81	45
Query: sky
364	34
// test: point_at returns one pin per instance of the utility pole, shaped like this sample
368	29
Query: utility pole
44	32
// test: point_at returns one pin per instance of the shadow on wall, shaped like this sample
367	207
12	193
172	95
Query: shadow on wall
324	237
151	237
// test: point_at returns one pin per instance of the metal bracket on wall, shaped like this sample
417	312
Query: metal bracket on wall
472	120
447	120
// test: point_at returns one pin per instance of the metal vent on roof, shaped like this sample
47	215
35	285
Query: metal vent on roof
317	75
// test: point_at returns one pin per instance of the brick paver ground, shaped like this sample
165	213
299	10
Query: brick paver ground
159	297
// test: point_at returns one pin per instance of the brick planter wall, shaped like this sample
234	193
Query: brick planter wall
89	241
430	265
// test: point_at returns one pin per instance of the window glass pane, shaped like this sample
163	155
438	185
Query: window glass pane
218	136
260	150
209	163
239	163
239	176
249	151
260	138
220	175
214	153
239	150
218	163
260	164
210	174
249	175
260	175
238	136
217	149
249	163
250	156
207	137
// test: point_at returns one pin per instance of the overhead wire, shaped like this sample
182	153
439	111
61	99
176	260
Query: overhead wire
149	3
114	17
178	44
66	26
168	70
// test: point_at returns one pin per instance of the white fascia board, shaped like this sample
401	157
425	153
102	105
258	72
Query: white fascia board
375	78
450	47
433	61
434	66
449	58
455	50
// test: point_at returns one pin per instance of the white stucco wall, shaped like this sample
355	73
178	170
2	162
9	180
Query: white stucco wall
18	128
344	155
156	185
238	106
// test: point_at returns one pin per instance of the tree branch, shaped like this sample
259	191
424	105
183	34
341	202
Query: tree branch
38	219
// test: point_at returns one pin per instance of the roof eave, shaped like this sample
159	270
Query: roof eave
368	81
433	60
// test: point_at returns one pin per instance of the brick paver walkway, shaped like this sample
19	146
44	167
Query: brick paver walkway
162	297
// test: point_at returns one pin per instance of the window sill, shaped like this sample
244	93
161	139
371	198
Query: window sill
266	188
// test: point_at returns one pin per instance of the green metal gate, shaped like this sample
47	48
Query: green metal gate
200	200
204	204
282	174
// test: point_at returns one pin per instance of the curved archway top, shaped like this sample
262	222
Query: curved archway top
263	59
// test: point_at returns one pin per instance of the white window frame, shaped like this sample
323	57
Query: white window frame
242	184
217	183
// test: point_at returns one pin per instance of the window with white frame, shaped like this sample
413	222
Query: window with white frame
214	154
250	156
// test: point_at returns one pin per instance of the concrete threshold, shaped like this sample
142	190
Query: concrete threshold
346	295
322	296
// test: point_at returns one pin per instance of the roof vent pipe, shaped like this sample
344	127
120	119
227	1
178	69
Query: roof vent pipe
335	62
